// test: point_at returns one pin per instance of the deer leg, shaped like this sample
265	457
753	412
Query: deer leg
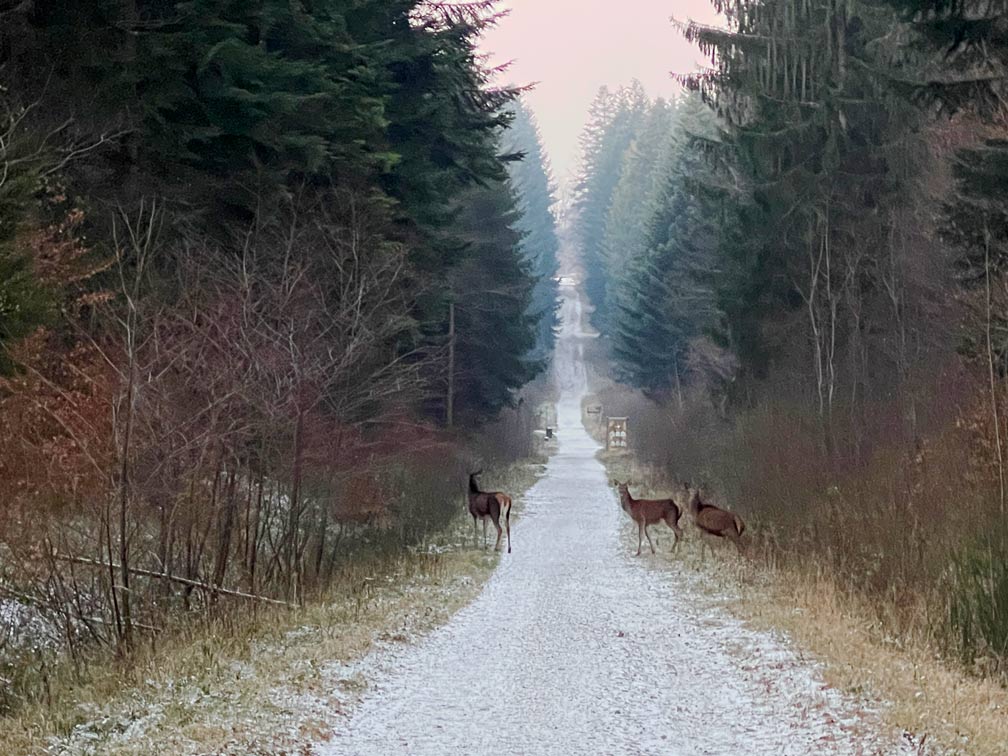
640	536
499	531
648	538
484	533
475	532
737	540
677	531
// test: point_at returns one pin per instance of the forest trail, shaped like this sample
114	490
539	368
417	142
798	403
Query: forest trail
575	646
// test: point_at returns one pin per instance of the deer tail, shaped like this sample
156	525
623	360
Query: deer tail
739	525
505	502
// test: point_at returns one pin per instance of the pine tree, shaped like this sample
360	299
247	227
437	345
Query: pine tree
494	324
645	170
665	301
24	303
613	123
956	61
815	129
957	55
532	182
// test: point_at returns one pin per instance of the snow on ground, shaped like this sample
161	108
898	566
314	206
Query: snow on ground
576	646
573	646
24	630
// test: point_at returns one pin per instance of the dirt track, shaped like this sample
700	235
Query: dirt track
575	646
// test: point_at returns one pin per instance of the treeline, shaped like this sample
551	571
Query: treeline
532	179
638	229
250	254
813	287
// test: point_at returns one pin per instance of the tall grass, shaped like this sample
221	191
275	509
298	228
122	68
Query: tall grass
397	517
909	529
978	602
426	544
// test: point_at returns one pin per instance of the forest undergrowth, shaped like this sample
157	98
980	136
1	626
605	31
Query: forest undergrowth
253	678
899	596
247	351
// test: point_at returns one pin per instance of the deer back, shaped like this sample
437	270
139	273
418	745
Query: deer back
483	503
653	510
648	510
719	522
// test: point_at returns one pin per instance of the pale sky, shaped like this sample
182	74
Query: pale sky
572	47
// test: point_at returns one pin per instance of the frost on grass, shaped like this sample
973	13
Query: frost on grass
23	629
574	645
288	693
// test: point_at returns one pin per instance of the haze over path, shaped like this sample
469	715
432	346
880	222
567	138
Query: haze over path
572	47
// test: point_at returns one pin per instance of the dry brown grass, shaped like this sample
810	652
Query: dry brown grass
267	682
239	686
926	693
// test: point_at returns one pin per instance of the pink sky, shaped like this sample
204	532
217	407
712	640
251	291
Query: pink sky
572	47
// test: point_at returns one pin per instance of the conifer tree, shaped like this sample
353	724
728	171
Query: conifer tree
532	183
665	301
23	302
814	129
495	326
643	174
613	122
232	113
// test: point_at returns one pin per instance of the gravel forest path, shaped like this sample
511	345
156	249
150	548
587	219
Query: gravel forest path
576	646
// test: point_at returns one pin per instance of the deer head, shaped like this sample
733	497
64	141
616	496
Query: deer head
692	497
623	489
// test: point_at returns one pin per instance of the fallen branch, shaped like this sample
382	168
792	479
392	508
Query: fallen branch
102	621
175	579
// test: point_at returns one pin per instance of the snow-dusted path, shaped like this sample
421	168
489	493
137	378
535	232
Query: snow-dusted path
575	646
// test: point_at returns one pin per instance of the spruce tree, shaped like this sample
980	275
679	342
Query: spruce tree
614	121
814	132
492	288
532	182
645	170
665	301
24	303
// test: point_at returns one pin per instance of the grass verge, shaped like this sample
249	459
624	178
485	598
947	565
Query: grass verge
269	681
926	695
940	704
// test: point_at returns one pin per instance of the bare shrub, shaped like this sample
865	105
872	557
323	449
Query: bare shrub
910	529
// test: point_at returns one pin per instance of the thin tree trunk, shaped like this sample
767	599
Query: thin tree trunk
294	518
112	582
450	400
124	492
996	415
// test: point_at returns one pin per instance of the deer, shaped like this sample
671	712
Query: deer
714	521
489	504
649	512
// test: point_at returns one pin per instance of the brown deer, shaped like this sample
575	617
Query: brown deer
649	512
489	504
714	521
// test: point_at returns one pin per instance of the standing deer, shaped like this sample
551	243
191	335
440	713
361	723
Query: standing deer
649	512
489	504
714	521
